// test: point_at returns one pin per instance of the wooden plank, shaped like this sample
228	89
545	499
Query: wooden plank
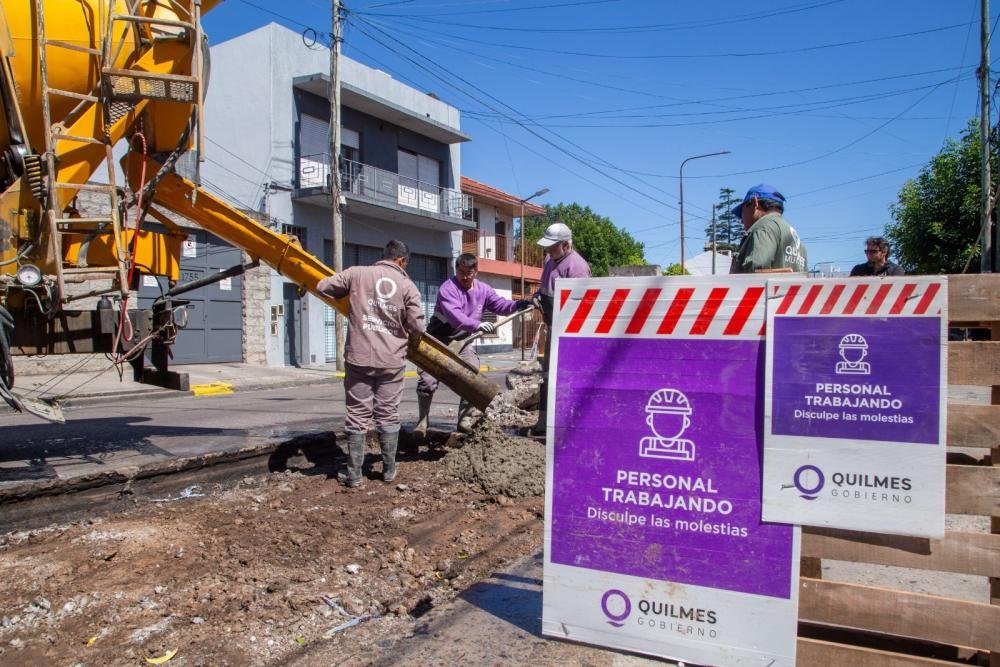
974	425
975	363
914	615
966	553
974	297
972	490
817	653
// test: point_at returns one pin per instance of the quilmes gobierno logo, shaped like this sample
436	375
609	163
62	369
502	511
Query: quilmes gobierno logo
808	480
616	606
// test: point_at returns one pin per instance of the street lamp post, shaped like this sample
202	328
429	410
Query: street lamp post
522	202
681	181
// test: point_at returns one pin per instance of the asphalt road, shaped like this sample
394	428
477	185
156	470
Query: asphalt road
121	432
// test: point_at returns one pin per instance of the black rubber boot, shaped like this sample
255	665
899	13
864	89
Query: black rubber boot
355	460
388	442
423	415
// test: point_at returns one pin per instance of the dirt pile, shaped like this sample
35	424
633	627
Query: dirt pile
259	573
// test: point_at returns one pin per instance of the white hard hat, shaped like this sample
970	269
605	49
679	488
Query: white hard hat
853	340
557	232
668	400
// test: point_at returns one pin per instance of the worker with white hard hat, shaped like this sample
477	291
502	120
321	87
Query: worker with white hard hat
561	261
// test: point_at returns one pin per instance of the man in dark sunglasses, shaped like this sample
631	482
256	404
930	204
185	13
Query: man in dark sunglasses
878	264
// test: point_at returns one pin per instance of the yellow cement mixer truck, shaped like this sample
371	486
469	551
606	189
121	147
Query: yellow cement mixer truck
77	78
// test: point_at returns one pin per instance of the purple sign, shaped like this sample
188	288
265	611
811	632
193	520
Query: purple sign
657	464
857	378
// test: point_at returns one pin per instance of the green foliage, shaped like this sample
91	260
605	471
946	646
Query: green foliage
595	237
936	215
676	270
728	228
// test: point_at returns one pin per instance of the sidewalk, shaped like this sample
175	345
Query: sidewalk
79	383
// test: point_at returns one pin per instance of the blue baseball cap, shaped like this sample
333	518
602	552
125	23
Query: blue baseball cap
762	191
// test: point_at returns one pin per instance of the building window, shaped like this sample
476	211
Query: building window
350	144
314	150
419	181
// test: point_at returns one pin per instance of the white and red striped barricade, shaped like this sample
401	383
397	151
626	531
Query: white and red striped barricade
855	432
653	534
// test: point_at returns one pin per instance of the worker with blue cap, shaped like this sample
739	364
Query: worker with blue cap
770	244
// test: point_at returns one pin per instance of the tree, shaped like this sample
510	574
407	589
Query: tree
676	270
728	227
936	215
601	243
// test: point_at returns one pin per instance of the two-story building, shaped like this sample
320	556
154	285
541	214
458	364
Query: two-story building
266	125
501	264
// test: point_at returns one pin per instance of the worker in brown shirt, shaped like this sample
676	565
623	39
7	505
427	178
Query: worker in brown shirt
385	313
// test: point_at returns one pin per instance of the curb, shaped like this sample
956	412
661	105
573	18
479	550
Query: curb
221	388
197	390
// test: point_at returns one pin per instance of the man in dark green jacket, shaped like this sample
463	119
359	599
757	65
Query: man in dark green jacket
770	244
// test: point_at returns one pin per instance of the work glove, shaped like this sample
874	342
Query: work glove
537	301
521	304
487	327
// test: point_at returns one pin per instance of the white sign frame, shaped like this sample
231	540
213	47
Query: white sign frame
599	606
868	348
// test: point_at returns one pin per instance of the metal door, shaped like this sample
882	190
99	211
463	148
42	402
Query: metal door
215	324
293	325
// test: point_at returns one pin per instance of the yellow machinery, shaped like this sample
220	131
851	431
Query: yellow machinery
78	78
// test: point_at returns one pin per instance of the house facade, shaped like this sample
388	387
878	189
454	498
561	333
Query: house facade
266	126
494	242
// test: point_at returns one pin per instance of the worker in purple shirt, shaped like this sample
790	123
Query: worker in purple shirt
561	261
458	313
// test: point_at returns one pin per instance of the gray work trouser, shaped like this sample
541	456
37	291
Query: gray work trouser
427	384
373	393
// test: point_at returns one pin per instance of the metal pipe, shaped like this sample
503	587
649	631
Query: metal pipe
232	271
436	359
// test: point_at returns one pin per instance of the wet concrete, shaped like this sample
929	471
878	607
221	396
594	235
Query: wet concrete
496	459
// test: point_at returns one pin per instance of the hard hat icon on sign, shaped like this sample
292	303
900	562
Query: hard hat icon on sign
853	349
668	415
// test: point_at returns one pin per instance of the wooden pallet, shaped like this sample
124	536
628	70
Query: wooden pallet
851	624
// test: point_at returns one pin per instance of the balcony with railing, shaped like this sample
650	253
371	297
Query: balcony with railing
371	191
501	248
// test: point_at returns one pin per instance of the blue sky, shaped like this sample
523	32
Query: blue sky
835	102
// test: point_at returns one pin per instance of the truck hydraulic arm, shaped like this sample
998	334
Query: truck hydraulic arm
287	257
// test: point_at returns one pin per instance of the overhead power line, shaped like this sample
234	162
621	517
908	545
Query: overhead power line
561	165
649	27
447	80
691	56
505	10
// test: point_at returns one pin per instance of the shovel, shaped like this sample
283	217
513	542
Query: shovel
457	346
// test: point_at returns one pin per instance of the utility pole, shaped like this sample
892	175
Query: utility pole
335	195
985	226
